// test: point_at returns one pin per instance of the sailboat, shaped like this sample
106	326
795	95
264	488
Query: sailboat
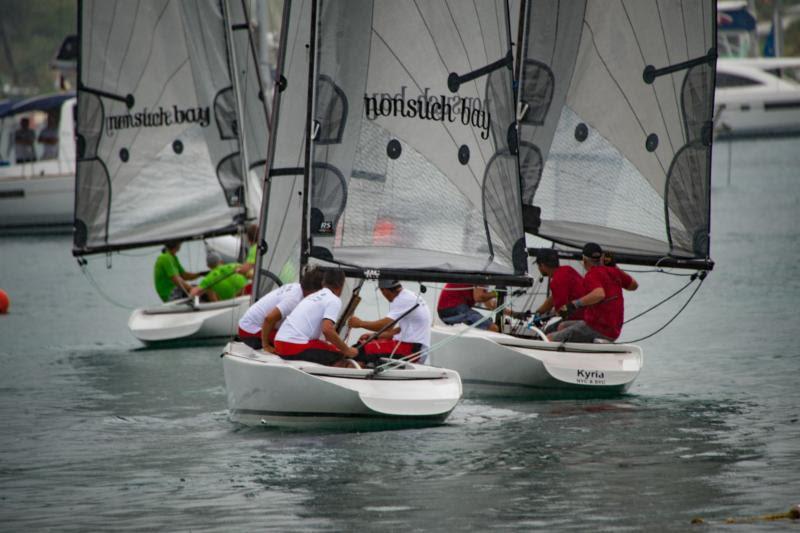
615	107
159	149
396	172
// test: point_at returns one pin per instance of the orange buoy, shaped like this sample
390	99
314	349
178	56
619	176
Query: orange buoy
5	302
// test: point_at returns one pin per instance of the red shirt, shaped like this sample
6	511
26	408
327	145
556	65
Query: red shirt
566	285
607	316
459	293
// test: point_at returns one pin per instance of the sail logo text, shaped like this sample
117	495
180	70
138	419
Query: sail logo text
590	377
469	111
159	118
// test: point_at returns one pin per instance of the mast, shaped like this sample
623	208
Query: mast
305	243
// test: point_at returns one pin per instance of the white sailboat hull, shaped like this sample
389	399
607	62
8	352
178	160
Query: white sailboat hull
173	322
264	389
496	363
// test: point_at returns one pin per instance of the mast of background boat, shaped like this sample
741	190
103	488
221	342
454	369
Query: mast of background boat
277	89
244	160
305	242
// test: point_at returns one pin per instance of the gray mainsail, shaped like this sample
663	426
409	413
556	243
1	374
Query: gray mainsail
615	109
157	141
413	167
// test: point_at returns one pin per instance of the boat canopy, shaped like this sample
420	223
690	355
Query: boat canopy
157	137
616	105
413	170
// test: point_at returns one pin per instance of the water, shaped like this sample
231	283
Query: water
100	434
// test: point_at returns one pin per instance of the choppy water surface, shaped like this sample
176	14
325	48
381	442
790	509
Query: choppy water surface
99	434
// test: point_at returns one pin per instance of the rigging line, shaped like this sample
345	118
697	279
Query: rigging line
644	61
668	298
128	46
703	17
619	87
480	28
444	64
152	44
670	320
100	291
555	35
672	79
449	133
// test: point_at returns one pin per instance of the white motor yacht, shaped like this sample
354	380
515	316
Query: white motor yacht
753	99
37	161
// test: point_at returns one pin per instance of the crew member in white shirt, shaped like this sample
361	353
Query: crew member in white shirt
315	316
258	326
408	326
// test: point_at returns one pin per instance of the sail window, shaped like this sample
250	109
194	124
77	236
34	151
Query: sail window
537	86
331	112
225	112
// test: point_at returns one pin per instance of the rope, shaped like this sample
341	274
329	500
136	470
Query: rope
671	296
659	330
100	291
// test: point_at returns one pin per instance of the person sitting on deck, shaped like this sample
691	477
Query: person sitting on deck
603	302
260	324
408	326
223	282
315	315
170	278
566	284
457	301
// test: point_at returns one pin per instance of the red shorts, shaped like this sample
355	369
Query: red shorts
257	335
248	289
290	349
386	347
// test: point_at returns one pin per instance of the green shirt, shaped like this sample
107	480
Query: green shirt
167	265
223	282
251	254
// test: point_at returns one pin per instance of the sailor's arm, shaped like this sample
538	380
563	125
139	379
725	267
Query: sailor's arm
329	330
272	318
546	306
372	325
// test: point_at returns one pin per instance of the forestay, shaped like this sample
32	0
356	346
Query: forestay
282	208
157	138
414	164
616	105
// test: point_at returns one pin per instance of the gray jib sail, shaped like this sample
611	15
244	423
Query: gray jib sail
414	159
282	209
157	139
616	104
247	34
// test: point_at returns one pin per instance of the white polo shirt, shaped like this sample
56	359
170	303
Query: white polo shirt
415	327
284	298
305	322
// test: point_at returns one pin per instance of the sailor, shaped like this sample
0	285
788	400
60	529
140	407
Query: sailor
407	326
315	316
223	282
48	137
169	276
566	284
603	302
258	326
457	301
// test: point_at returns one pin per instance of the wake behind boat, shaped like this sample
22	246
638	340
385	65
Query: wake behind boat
187	320
264	389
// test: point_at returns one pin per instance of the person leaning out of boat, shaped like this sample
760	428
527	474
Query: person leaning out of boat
603	303
566	284
223	282
315	316
407	326
260	324
457	301
170	278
